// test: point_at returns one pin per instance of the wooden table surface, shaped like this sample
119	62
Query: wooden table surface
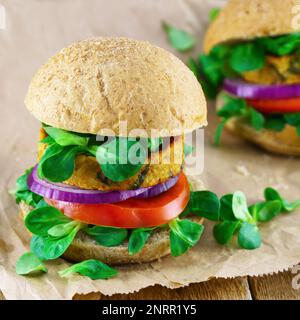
271	287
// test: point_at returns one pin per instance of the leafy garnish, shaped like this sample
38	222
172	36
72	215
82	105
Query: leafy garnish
66	138
138	239
213	14
275	123
50	248
272	194
60	166
22	192
293	119
62	229
41	220
205	204
53	232
209	89
236	217
107	236
29	263
121	158
257	119
239	207
231	60
184	235
179	39
224	231
247	57
93	269
249	236
188	149
265	211
226	209
219	131
281	45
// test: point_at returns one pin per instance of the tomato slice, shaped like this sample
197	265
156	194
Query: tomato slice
131	213
279	105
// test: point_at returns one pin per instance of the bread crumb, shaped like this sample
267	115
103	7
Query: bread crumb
242	169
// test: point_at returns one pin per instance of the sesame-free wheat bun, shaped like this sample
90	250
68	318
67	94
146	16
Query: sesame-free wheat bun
242	20
93	85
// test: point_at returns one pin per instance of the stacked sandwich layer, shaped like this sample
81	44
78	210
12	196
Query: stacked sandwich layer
131	207
117	198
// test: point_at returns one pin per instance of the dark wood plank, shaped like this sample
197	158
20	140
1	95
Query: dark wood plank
214	289
275	287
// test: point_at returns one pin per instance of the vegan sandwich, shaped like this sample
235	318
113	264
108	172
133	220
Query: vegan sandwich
98	191
252	52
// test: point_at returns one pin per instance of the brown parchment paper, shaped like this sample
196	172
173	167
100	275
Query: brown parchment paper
36	29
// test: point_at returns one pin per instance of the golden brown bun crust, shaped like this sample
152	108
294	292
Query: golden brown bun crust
84	247
94	84
286	142
242	20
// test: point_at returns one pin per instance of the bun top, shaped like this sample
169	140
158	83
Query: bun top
94	85
242	20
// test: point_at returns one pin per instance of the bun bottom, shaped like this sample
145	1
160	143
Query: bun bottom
285	142
84	247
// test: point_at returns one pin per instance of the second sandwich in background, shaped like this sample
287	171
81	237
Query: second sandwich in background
253	51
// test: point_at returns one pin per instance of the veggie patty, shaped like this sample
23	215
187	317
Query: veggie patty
88	175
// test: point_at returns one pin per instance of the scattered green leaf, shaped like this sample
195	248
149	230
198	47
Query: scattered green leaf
267	211
205	204
93	269
239	207
213	14
224	231
219	131
272	194
249	236
179	39
226	211
29	263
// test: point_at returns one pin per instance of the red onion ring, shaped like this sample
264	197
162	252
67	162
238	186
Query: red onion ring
263	92
163	187
63	192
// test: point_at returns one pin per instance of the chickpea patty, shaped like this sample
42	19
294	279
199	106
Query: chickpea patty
88	174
